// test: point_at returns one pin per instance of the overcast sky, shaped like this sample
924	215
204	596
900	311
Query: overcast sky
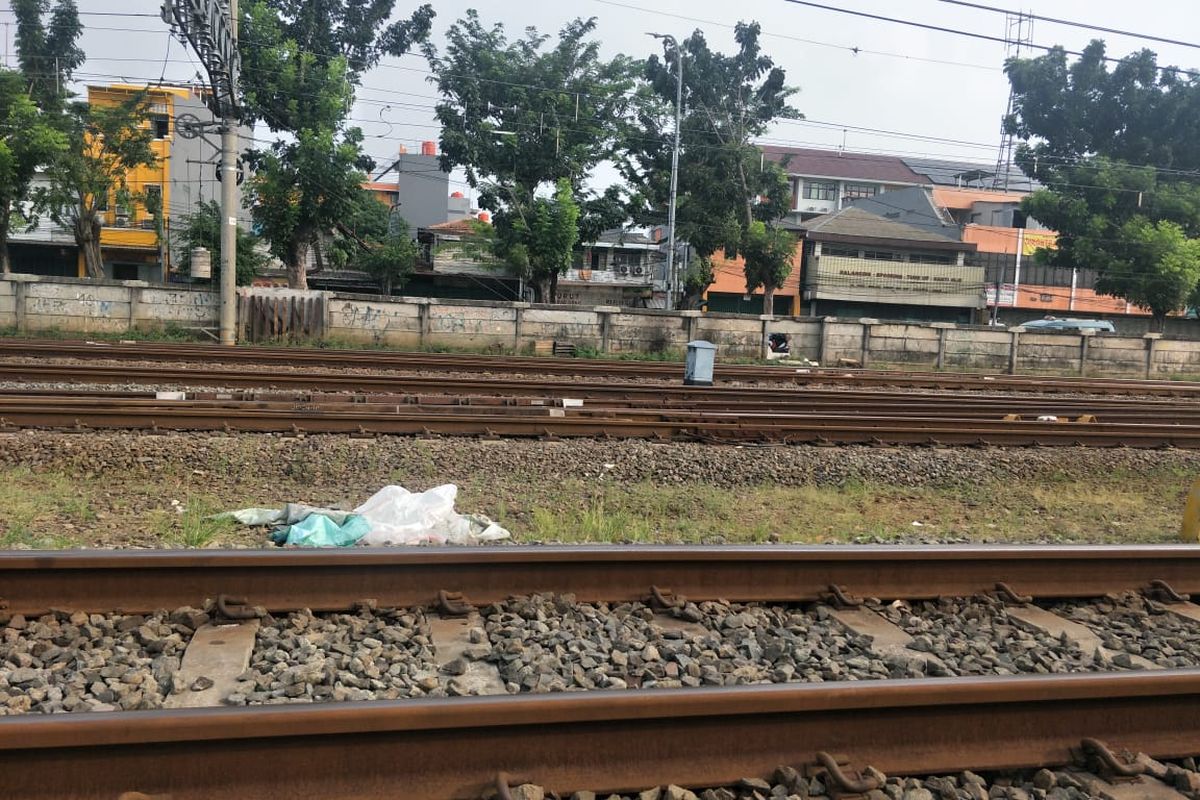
917	82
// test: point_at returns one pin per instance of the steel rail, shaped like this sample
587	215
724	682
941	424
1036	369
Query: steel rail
604	741
280	580
485	384
806	401
901	407
581	367
682	426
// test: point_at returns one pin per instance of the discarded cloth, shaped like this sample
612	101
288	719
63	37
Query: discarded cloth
391	516
318	530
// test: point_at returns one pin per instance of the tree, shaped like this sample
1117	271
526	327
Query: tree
768	253
374	239
27	141
537	238
1159	267
725	185
31	102
47	49
1116	155
389	259
202	228
301	62
520	118
104	143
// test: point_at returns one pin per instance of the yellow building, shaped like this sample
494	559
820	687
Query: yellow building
131	246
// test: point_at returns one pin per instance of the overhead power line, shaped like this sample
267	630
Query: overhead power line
969	34
1073	24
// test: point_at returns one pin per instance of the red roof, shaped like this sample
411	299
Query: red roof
457	227
840	164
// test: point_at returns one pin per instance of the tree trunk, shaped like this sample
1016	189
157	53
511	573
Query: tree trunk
554	287
768	299
87	237
297	272
1158	321
5	219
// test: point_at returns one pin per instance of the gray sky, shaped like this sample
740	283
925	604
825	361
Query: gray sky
933	85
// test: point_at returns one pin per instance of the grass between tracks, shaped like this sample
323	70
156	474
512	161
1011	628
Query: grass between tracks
53	510
1115	510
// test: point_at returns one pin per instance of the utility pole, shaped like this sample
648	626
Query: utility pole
229	204
210	27
672	278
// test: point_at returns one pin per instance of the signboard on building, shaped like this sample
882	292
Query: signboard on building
1008	294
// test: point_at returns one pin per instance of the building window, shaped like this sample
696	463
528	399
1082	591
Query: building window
161	124
624	258
931	258
882	255
843	252
125	272
854	190
817	190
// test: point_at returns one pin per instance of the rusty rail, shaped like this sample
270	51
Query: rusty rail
280	580
602	741
774	401
452	362
92	413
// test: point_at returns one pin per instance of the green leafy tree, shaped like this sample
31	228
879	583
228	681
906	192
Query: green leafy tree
521	116
301	63
202	228
48	52
374	239
27	141
1116	154
725	185
768	253
104	144
1158	267
537	238
389	259
31	102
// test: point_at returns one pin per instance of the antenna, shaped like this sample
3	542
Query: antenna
1018	34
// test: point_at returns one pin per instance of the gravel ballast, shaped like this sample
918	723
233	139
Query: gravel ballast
975	636
368	655
1138	626
543	643
92	662
327	459
64	662
789	783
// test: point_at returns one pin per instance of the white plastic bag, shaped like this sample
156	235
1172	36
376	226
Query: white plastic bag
398	516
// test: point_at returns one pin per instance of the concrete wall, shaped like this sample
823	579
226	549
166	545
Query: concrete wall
31	304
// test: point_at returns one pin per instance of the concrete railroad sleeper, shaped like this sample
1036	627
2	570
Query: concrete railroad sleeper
93	413
455	362
464	747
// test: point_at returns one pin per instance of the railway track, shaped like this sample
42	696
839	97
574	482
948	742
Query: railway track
526	365
598	741
830	419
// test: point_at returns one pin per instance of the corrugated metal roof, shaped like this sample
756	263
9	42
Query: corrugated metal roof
968	174
854	222
841	164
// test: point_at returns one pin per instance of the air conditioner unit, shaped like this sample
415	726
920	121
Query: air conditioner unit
622	270
639	270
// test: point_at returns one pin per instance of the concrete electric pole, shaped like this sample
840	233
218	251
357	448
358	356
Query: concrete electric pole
229	204
672	278
210	27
